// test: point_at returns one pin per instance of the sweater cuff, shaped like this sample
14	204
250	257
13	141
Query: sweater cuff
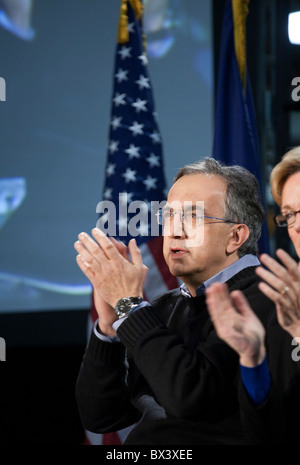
137	324
102	336
257	381
104	352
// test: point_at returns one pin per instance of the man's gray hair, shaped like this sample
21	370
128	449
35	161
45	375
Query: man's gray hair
242	201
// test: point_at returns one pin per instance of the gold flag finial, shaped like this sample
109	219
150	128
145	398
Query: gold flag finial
240	11
137	6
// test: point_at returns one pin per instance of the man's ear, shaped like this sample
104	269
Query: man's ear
237	237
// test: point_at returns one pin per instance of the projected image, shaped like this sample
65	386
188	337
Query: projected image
12	193
167	21
57	60
15	16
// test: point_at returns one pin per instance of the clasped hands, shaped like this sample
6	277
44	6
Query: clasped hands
114	271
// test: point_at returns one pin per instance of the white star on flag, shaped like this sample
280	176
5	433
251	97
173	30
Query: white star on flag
119	99
155	137
143	82
153	160
150	183
129	175
125	52
136	128
110	170
133	151
140	105
116	122
108	193
113	146
122	75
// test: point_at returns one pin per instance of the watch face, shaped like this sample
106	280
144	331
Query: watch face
126	304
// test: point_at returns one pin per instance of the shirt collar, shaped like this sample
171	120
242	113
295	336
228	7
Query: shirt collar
224	275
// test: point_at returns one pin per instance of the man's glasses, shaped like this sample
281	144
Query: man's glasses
286	219
190	217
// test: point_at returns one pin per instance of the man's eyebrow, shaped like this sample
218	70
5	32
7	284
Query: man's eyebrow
286	207
196	208
187	207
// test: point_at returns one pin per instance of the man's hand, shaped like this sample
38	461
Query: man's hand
236	323
113	275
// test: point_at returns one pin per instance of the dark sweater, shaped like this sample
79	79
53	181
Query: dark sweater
276	420
170	373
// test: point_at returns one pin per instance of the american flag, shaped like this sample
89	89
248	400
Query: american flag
135	159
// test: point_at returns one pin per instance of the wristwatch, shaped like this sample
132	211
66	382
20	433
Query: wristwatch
125	305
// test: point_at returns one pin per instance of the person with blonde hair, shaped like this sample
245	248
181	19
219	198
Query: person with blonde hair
239	326
284	280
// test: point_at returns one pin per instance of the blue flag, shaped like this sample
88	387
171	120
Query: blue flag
235	138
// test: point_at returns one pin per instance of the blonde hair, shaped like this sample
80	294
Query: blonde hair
289	164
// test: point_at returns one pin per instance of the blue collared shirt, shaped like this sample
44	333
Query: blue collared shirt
224	275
